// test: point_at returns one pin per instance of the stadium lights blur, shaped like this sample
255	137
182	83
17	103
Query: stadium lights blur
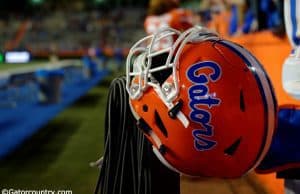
1	58
99	1
17	57
36	2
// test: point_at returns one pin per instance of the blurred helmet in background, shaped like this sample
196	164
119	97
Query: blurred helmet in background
158	7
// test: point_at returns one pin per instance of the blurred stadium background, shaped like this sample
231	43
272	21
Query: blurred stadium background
57	59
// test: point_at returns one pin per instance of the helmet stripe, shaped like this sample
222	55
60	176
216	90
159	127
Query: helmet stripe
266	90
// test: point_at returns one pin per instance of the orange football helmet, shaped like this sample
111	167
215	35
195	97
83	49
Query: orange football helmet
206	104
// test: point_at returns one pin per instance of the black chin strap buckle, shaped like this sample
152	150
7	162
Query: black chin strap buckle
173	112
141	124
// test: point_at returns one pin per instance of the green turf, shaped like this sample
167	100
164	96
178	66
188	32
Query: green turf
58	156
8	66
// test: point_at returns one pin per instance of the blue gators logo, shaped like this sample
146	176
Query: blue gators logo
199	96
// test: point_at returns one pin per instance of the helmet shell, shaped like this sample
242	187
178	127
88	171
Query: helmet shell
231	107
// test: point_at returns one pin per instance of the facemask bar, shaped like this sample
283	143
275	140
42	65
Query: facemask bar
196	34
143	47
193	35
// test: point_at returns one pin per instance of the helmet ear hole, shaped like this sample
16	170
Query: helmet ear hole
162	75
233	147
145	108
160	124
242	101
